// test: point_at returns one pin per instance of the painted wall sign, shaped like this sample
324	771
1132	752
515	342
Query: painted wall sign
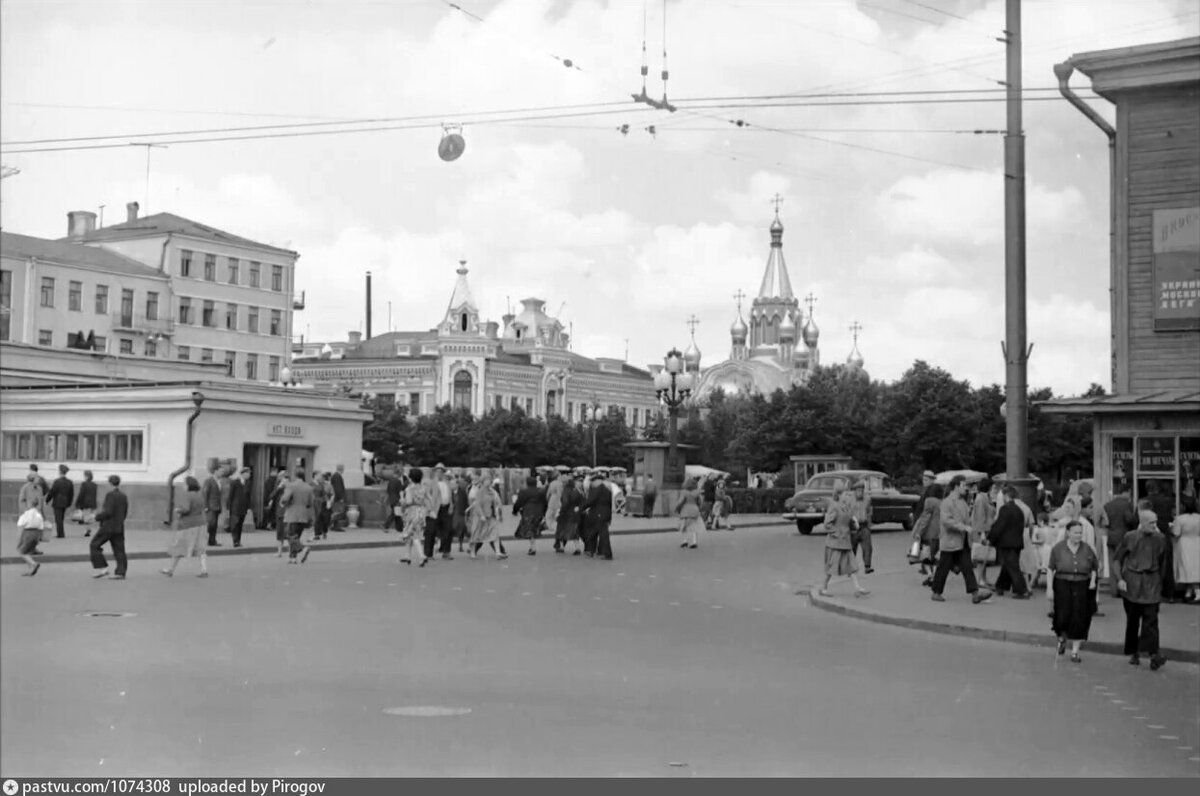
1177	269
284	430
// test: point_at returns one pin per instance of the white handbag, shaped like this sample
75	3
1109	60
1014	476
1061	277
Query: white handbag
31	520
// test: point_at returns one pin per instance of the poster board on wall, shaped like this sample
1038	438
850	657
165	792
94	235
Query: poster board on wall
1177	269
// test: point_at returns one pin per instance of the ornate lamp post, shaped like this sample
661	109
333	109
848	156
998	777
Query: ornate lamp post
591	413
673	387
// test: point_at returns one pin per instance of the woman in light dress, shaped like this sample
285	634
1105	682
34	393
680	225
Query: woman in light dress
413	511
483	518
191	529
1186	530
688	509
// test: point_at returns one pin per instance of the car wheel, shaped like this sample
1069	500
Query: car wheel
805	527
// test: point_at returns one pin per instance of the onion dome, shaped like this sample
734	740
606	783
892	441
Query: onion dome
691	356
811	333
855	360
787	329
738	331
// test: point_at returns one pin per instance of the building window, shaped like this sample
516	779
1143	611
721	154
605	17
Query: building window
231	311
185	262
273	369
230	363
255	274
185	309
570	411
635	417
101	343
499	401
45	337
206	355
47	291
151	348
414	405
529	406
252	366
125	346
185	353
233	270
462	322
277	277
514	403
101	299
551	402
210	268
252	320
276	323
126	307
5	305
461	398
152	306
75	297
73	446
208	314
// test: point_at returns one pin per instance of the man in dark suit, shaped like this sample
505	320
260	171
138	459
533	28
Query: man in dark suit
597	515
459	500
112	532
239	504
1007	535
210	493
339	499
61	493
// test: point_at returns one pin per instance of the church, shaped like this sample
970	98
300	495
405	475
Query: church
778	348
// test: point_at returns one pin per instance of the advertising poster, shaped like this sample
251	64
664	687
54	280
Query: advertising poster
1177	269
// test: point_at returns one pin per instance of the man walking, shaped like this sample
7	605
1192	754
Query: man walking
445	512
62	492
239	504
952	543
338	484
1007	535
460	501
1141	560
210	493
709	492
1117	518
433	506
297	515
112	532
649	495
860	510
598	515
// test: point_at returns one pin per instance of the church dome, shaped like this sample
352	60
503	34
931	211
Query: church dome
855	360
787	329
811	333
739	330
692	355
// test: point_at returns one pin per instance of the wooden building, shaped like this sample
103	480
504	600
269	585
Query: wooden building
1148	429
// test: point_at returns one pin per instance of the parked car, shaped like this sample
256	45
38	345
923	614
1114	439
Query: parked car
888	504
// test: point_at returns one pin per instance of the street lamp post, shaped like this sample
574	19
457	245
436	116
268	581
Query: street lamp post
673	387
591	413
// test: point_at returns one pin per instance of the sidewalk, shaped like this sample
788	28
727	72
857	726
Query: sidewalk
898	598
153	544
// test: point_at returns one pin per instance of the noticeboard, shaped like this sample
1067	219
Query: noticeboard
1177	269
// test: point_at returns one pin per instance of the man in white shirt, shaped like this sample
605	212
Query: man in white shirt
444	516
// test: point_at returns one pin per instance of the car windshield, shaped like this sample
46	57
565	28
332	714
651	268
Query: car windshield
829	482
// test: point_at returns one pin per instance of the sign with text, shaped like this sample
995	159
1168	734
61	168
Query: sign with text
284	430
1177	269
1156	455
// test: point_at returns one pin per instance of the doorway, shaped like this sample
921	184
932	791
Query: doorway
265	460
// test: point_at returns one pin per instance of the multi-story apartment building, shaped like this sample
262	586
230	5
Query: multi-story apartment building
52	293
232	298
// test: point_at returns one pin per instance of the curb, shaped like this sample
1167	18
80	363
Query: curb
1011	636
74	558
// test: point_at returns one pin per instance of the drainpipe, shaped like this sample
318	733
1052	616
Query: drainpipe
197	399
1063	72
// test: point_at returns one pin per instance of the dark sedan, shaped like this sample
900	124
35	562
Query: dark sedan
888	504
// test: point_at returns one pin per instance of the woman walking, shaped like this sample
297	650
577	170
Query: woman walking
30	522
85	501
1186	530
928	528
531	505
690	518
839	553
413	511
1073	569
484	519
190	529
983	514
721	504
567	524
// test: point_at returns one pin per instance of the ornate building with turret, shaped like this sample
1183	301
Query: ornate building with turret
777	348
523	362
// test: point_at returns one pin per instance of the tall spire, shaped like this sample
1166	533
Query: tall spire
462	291
775	283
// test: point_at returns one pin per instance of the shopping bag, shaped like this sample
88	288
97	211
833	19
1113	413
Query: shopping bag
31	520
914	552
983	554
77	515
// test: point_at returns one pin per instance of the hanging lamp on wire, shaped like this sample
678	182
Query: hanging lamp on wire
452	144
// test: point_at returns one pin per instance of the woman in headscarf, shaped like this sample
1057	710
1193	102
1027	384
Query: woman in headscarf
688	507
1073	569
483	517
191	529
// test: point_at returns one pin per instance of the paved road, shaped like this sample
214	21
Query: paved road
569	667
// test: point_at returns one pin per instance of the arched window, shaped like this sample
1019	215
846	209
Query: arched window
551	403
462	322
462	390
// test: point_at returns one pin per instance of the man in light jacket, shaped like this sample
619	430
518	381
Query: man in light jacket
952	543
297	502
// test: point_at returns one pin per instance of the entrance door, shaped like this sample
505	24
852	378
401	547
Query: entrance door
265	461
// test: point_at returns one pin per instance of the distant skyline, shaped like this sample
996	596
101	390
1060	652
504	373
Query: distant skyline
892	202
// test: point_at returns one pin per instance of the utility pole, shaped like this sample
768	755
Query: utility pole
1016	351
148	148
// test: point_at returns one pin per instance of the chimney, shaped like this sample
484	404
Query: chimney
355	337
131	211
80	223
492	330
368	305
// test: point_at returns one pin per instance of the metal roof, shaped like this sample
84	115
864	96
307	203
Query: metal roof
163	223
1178	400
72	254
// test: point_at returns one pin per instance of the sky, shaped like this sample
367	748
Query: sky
893	207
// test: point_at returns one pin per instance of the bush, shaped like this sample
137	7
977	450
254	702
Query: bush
759	501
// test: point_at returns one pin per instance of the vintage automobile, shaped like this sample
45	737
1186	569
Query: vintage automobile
888	504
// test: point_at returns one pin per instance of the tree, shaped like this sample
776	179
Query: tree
509	438
387	434
444	436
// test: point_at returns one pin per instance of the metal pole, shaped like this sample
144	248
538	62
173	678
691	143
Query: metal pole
368	305
1016	353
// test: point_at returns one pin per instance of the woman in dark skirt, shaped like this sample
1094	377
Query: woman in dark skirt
1073	568
531	505
85	501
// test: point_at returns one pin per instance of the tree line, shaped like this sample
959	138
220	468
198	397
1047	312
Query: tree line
925	420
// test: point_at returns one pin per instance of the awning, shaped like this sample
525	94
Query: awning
1182	400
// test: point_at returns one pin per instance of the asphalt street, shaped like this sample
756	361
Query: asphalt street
664	662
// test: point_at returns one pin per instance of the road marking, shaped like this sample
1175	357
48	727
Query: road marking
1194	759
1117	701
1140	718
675	764
526	593
675	604
491	591
755	609
1128	708
653	575
324	580
457	588
595	598
619	574
714	606
1169	737
1184	748
632	600
359	582
391	584
426	711
560	595
717	580
1156	726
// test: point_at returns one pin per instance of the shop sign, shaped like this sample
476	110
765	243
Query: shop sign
1177	269
1156	455
284	430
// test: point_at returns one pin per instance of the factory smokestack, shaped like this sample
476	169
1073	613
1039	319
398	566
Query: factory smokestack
368	305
